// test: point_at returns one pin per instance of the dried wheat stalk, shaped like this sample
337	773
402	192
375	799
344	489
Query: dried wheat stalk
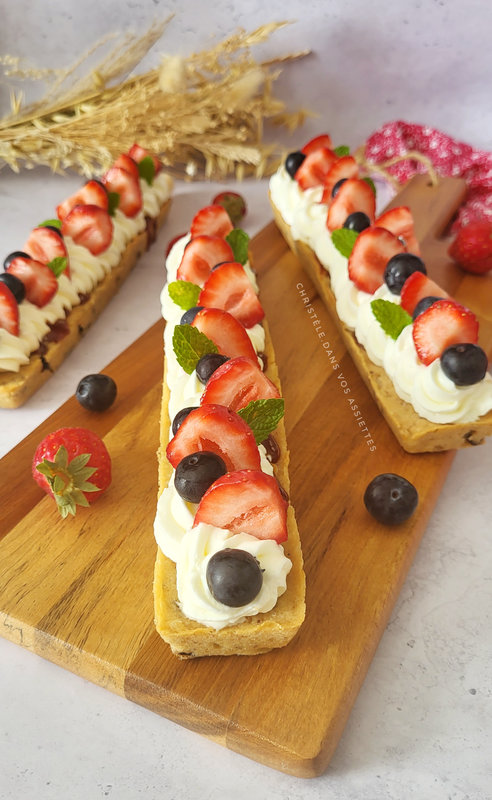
203	115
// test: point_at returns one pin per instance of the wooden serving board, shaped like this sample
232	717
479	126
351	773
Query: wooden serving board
79	591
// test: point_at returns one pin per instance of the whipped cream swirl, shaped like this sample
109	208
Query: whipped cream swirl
195	599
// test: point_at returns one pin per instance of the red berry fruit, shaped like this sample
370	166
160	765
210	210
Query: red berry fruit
373	249
472	247
400	222
73	466
9	310
229	288
246	501
444	324
211	221
234	204
93	193
354	195
39	281
238	382
218	430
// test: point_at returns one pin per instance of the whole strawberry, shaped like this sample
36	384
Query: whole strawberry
73	466
472	247
234	204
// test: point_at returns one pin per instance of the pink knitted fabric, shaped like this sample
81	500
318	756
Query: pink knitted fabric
448	156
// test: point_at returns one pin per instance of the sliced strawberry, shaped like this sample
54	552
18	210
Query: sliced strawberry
9	310
213	221
139	153
229	288
323	140
373	249
39	281
44	244
217	429
345	167
443	324
93	193
315	168
227	333
400	222
416	287
89	226
237	382
126	162
247	501
201	254
127	186
353	195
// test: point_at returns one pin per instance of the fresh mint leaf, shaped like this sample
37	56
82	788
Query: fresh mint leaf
113	202
184	293
190	345
263	416
344	240
58	265
371	183
392	317
146	169
52	223
342	150
239	240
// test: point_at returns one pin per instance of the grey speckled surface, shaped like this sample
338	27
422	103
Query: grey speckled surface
421	727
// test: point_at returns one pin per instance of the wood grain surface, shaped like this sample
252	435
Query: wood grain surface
79	591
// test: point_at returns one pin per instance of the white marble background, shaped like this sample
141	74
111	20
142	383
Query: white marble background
422	724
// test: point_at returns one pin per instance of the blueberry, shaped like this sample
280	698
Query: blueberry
15	254
424	304
15	285
190	315
180	417
96	392
293	162
464	364
207	365
234	577
390	499
336	187
399	268
358	221
196	472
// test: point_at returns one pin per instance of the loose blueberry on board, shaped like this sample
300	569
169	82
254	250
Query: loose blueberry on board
180	416
15	285
399	268
464	364
190	315
12	256
390	499
293	162
196	472
358	221
96	392
424	304
234	577
207	365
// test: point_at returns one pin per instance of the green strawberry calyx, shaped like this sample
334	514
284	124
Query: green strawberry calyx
68	480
